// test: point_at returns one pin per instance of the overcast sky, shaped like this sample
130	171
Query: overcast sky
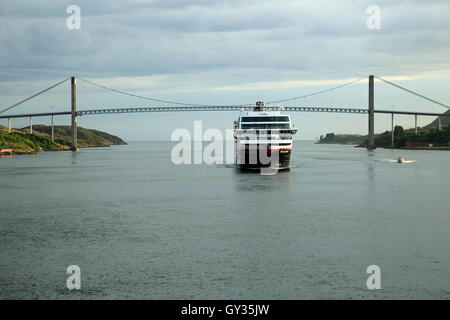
223	52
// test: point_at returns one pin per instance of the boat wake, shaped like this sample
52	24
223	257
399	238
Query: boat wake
395	160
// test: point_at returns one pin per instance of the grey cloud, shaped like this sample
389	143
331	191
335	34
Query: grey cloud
292	39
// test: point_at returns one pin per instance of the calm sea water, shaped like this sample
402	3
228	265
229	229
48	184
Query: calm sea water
140	227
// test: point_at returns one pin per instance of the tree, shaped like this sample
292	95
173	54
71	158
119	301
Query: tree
330	137
399	136
399	132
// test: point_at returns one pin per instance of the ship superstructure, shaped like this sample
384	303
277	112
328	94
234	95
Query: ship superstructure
263	138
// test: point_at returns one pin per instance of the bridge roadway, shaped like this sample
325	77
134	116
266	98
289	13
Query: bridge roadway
216	108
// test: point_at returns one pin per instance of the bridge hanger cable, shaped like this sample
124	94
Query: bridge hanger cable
159	100
318	92
414	93
34	95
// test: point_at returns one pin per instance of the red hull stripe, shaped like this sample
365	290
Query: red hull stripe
271	150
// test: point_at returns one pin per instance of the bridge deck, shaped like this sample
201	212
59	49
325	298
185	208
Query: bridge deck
217	108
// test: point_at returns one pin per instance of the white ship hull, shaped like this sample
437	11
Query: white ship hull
263	139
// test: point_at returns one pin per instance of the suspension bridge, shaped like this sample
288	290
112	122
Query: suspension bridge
190	107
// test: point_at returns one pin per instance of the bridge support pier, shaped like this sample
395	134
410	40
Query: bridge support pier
439	123
371	142
415	128
73	87
31	125
9	125
392	130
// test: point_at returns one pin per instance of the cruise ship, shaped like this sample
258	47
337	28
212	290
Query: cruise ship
263	138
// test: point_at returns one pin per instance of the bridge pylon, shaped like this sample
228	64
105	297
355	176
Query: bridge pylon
73	89
371	141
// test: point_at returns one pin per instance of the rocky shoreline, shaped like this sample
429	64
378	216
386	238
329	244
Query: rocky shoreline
23	142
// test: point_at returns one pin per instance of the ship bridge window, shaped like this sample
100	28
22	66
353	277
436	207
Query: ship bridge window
265	119
265	126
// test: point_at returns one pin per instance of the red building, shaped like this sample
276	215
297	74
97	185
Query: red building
416	142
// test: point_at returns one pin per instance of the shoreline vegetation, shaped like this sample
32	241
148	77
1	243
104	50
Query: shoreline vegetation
433	138
22	142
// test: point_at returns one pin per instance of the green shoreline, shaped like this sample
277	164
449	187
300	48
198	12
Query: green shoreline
438	139
23	142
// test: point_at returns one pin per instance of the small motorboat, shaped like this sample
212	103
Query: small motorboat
6	150
401	160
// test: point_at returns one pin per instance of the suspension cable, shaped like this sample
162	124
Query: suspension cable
414	93
159	100
316	93
34	95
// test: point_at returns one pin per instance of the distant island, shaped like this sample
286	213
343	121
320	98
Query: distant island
427	137
331	138
22	142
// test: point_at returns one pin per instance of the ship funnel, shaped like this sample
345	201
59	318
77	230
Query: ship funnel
259	106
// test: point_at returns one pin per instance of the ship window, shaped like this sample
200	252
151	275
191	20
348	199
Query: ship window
265	126
265	119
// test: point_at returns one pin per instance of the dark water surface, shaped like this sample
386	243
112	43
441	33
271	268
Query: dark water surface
139	226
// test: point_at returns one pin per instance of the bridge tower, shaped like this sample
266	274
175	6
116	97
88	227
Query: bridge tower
371	142
73	90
